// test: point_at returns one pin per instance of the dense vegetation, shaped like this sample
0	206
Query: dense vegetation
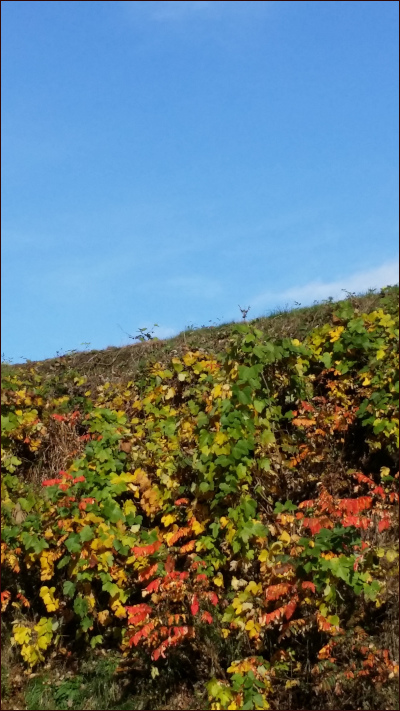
220	518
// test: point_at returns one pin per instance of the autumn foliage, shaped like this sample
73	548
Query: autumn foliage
246	501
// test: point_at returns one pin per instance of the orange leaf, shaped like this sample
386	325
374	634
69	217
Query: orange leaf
303	422
142	551
274	592
177	535
148	572
188	547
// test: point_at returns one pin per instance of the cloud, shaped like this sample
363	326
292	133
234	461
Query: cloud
358	282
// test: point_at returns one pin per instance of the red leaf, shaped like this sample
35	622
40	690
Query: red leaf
136	609
201	576
357	521
206	617
354	506
363	479
136	619
379	491
306	406
152	587
307	584
169	564
181	502
313	524
384	524
290	608
323	624
213	598
159	651
272	616
307	504
194	607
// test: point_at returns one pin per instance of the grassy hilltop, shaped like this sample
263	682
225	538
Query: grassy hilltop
207	522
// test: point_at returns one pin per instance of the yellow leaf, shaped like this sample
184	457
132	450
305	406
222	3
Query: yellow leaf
225	633
197	527
22	635
168	519
129	507
47	595
263	556
189	358
218	580
380	354
104	617
170	393
335	333
284	537
253	588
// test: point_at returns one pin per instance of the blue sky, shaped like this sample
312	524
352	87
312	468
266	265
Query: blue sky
164	162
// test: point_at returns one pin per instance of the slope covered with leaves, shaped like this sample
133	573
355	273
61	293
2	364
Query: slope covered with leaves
230	515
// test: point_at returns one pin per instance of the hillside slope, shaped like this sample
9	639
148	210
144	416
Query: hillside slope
218	513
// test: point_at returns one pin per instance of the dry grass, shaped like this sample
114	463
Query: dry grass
128	362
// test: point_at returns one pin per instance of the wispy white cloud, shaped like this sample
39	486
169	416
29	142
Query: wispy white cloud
317	290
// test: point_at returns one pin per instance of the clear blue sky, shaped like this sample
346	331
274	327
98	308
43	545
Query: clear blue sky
164	162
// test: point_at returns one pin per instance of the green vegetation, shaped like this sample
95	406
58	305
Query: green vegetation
217	514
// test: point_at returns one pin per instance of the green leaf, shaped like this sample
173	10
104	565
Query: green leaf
86	623
81	606
112	512
64	561
326	358
86	534
69	588
73	543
